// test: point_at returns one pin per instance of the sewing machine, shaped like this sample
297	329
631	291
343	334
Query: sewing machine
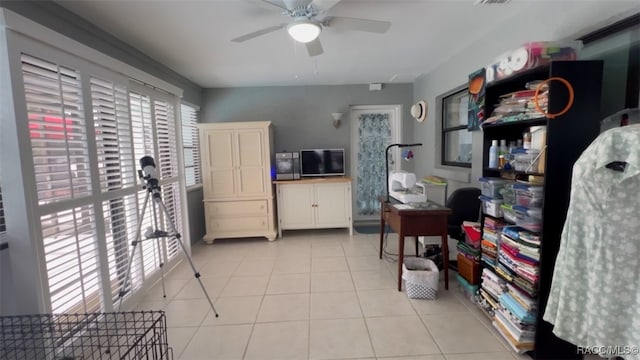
404	188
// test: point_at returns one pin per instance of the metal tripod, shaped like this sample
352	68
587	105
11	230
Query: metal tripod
153	190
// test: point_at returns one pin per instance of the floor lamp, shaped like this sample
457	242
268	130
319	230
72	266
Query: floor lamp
386	160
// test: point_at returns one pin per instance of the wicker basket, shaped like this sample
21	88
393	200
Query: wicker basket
421	278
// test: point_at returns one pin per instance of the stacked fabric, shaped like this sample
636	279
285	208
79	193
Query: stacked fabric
520	105
493	284
516	317
519	258
489	243
468	250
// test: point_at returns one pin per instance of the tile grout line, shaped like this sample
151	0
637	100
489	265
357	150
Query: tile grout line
364	319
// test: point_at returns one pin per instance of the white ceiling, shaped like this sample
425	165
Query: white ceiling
193	37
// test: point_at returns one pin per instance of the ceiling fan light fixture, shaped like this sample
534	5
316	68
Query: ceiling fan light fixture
304	30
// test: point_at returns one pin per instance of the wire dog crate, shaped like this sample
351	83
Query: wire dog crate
140	335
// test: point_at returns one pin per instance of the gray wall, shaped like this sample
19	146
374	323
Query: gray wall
63	21
301	115
196	214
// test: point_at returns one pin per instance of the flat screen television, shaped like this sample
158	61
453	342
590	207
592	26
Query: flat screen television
322	162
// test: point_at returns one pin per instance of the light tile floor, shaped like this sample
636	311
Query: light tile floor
315	295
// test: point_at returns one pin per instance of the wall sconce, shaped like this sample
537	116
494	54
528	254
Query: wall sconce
336	119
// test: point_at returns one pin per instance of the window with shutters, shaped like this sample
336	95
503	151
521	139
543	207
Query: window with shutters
88	223
191	144
57	130
3	224
58	136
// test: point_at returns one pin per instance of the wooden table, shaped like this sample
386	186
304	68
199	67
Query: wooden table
430	220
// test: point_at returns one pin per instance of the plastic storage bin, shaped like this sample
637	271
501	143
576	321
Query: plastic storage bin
527	162
491	186
469	290
508	213
508	194
528	218
420	277
491	206
529	196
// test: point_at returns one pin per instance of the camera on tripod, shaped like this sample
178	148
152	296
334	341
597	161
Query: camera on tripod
148	173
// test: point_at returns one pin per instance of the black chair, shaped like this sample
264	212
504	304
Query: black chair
465	206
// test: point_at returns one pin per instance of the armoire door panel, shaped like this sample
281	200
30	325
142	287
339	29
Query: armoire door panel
251	182
220	144
251	148
222	183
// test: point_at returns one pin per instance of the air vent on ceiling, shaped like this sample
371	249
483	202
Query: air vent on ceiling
490	2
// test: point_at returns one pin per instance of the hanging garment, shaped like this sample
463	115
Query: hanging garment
595	292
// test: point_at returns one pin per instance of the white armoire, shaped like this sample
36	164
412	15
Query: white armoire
236	169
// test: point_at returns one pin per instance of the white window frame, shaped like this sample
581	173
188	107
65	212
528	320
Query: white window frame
18	36
189	118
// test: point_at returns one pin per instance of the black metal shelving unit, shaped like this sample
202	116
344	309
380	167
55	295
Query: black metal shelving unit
568	136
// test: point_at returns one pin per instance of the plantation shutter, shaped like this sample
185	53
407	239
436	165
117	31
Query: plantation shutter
3	224
191	145
57	130
114	140
116	164
71	256
166	124
58	138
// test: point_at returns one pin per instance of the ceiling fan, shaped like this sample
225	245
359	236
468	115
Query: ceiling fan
306	26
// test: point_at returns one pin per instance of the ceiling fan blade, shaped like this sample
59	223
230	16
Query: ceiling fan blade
314	48
346	23
324	5
276	4
292	4
255	34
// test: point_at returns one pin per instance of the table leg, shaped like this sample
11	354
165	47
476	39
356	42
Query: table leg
445	256
382	224
400	258
417	247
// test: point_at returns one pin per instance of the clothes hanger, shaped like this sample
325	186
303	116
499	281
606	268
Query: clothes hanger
619	166
621	118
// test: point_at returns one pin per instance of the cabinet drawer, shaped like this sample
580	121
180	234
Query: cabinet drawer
469	269
236	208
237	224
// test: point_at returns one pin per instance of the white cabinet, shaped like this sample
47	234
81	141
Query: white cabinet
314	204
236	168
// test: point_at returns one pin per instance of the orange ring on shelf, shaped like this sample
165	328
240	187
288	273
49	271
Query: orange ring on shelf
569	103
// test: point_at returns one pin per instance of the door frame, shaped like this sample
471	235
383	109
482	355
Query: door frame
396	137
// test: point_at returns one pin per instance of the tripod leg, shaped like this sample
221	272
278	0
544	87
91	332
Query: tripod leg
135	243
160	257
178	237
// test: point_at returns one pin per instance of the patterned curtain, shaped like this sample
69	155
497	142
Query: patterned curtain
374	133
